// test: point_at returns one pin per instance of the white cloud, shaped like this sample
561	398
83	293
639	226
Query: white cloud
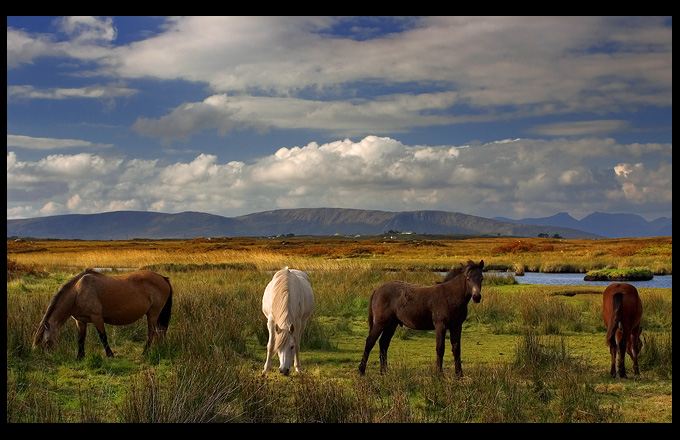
295	72
39	143
89	39
510	178
87	28
580	128
527	66
95	91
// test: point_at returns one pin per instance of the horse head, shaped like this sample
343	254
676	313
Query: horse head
46	335
285	347
473	279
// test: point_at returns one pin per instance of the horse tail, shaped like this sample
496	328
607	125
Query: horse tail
615	318
164	316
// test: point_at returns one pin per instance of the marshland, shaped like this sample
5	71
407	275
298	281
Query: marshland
530	353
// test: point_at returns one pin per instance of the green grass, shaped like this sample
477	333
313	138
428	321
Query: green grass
530	354
636	274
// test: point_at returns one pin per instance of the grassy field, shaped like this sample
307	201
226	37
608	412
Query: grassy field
530	353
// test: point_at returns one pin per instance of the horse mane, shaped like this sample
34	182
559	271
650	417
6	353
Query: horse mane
454	272
280	307
65	288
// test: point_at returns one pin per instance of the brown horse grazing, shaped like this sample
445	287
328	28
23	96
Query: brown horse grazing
117	300
439	307
622	313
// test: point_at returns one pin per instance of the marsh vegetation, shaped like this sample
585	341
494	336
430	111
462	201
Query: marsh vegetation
530	353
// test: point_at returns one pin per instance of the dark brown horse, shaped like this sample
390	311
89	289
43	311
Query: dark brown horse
116	300
622	313
439	307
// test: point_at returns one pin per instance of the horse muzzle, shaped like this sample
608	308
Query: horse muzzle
284	371
477	297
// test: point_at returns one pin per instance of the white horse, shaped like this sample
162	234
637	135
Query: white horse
287	303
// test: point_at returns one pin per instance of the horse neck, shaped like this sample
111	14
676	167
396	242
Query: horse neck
458	284
61	307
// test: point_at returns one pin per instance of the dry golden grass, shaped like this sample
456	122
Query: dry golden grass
209	366
531	254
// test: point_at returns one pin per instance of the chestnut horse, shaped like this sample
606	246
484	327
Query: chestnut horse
622	313
439	307
117	300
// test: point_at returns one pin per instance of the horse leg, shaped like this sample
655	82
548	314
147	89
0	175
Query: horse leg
612	350
440	337
296	357
151	331
82	330
370	342
271	327
385	339
456	331
635	346
98	323
622	354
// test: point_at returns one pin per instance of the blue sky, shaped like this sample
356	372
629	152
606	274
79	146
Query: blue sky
491	116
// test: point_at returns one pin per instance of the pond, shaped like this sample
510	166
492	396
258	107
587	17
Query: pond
560	279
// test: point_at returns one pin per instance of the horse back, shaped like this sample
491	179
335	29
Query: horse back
622	298
409	304
301	292
126	297
289	293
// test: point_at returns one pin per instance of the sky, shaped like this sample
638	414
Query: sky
490	116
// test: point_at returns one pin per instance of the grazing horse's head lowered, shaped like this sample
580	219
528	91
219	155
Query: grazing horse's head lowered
288	302
285	348
91	297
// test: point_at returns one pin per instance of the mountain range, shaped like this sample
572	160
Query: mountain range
606	225
121	225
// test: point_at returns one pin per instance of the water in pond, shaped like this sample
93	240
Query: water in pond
561	279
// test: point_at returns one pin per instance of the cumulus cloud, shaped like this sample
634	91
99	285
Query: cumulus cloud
298	72
505	178
89	39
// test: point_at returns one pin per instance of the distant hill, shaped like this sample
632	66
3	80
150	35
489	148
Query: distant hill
606	225
122	225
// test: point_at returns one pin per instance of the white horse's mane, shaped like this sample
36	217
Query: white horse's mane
280	306
288	302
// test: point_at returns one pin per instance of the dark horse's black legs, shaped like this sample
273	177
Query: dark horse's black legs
456	330
82	331
370	342
99	325
384	345
105	343
440	337
385	334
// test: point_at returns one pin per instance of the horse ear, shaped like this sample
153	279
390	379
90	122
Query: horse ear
481	264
